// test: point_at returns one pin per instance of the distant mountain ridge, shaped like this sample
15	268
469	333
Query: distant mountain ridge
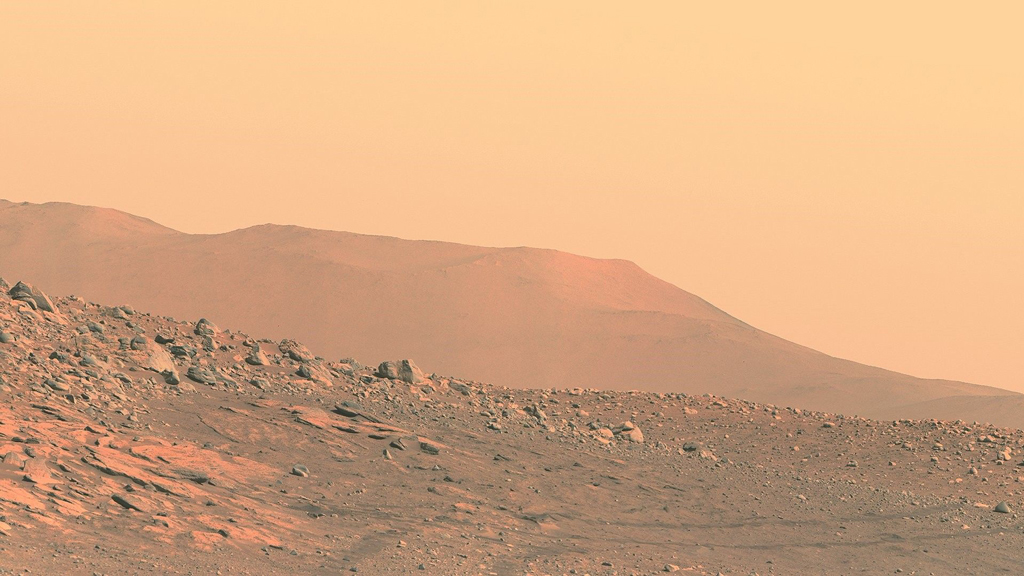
514	316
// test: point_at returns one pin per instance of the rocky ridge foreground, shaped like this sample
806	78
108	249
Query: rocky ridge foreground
131	443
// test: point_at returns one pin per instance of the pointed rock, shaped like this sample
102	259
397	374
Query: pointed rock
33	296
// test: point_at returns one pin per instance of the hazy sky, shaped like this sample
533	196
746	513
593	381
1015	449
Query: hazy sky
850	179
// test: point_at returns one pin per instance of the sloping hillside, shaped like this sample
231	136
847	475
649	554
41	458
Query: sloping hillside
514	316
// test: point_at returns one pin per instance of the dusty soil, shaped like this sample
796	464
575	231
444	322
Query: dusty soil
115	458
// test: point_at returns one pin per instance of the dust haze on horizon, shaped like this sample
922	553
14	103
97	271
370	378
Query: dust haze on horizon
848	180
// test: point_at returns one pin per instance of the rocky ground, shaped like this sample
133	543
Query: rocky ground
134	444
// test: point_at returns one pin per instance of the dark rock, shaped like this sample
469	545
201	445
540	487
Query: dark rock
209	344
202	375
256	356
192	475
34	296
129	502
184	351
349	409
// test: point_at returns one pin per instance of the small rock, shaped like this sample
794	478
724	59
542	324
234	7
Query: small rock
256	356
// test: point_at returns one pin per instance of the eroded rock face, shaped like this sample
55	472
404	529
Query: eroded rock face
33	296
296	351
410	373
388	370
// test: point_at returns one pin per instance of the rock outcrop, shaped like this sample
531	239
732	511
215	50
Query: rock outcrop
35	297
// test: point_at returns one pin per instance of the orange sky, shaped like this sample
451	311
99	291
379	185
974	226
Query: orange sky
852	180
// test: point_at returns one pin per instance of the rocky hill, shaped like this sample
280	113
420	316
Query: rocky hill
134	443
519	317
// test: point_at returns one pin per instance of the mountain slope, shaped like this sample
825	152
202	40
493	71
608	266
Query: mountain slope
137	444
514	316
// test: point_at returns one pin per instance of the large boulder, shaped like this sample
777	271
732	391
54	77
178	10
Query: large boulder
35	297
206	328
159	360
404	370
629	431
409	372
202	375
387	370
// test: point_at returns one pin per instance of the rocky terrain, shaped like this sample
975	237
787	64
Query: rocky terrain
520	317
137	444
